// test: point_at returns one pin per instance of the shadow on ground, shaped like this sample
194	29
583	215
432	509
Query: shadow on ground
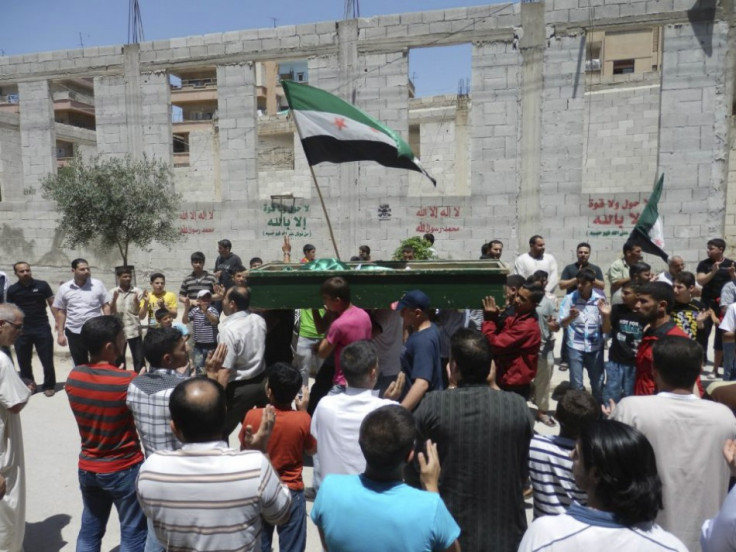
46	535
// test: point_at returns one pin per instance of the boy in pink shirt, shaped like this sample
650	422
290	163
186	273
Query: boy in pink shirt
351	324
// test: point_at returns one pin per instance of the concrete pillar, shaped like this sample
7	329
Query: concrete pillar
111	121
37	137
11	160
156	112
236	106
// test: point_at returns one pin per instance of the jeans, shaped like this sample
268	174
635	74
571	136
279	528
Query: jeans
44	343
152	542
305	359
200	352
729	359
593	363
619	381
293	533
99	492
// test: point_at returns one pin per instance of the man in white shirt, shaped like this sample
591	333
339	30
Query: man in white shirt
243	370
337	418
687	434
78	300
536	259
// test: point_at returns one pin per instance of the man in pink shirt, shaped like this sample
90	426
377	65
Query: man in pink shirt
350	324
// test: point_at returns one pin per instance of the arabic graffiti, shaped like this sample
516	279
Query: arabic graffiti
196	218
426	228
436	211
287	223
607	233
614	212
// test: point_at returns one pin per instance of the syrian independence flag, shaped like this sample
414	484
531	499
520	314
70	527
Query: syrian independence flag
648	232
334	131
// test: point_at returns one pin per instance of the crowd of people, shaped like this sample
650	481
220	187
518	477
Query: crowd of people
419	423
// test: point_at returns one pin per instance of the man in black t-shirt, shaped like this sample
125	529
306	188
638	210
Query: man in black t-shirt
32	296
688	313
712	274
626	330
568	279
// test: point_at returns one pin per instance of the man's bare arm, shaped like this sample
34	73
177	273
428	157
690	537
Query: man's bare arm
415	394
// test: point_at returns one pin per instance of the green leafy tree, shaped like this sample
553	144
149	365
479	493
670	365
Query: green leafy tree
116	202
422	251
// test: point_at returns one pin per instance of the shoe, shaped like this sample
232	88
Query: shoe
31	386
563	366
528	492
49	392
549	421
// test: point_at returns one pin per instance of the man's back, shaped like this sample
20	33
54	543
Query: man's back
361	514
336	426
687	435
482	436
206	497
550	471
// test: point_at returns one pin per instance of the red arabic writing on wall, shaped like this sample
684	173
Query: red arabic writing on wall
622	211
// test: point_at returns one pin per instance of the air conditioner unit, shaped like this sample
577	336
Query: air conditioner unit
592	65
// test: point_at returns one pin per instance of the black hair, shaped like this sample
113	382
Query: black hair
637	268
156	275
160	313
470	350
240	295
659	291
717	242
574	409
308	247
355	258
100	330
356	360
77	262
534	239
387	436
197	256
120	270
538	277
233	270
255	260
227	244
408	247
336	288
429	238
284	381
159	342
515	281
586	274
678	360
628	484
629	246
365	249
536	292
490	243
15	266
583	244
686	278
200	420
485	249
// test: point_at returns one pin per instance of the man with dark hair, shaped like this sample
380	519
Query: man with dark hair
686	433
568	279
243	369
255	262
78	300
495	249
580	313
536	259
125	303
376	510
429	238
159	298
32	296
713	273
618	273
688	313
364	252
515	342
640	273
225	262
337	418
550	464
407	253
205	496
654	302
420	359
111	454
197	281
475	421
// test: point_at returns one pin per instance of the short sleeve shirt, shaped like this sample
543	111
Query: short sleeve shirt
353	324
170	303
80	302
712	290
626	333
32	300
421	358
571	271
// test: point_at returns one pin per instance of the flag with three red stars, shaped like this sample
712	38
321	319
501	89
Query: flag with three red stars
334	131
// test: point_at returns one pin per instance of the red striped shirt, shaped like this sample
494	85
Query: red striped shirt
97	396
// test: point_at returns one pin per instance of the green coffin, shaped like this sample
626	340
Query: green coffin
450	284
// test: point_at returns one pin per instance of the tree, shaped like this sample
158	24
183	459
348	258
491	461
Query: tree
422	251
115	201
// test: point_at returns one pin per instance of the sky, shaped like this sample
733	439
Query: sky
42	25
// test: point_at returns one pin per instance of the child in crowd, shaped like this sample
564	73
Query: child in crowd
165	320
205	319
550	464
289	441
688	313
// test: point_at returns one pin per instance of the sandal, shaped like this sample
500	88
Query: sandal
549	421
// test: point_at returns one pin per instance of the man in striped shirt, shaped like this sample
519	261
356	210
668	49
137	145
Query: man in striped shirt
111	454
205	496
550	464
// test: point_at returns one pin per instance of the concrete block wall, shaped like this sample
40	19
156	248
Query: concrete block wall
621	139
111	116
197	181
11	164
37	136
155	100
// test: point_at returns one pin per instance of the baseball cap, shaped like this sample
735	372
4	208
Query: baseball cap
414	299
203	292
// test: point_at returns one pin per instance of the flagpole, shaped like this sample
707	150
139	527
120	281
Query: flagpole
322	202
319	191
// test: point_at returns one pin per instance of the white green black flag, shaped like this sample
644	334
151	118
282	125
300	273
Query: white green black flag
334	131
648	232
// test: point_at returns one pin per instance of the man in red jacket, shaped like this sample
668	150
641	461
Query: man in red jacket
515	341
654	303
